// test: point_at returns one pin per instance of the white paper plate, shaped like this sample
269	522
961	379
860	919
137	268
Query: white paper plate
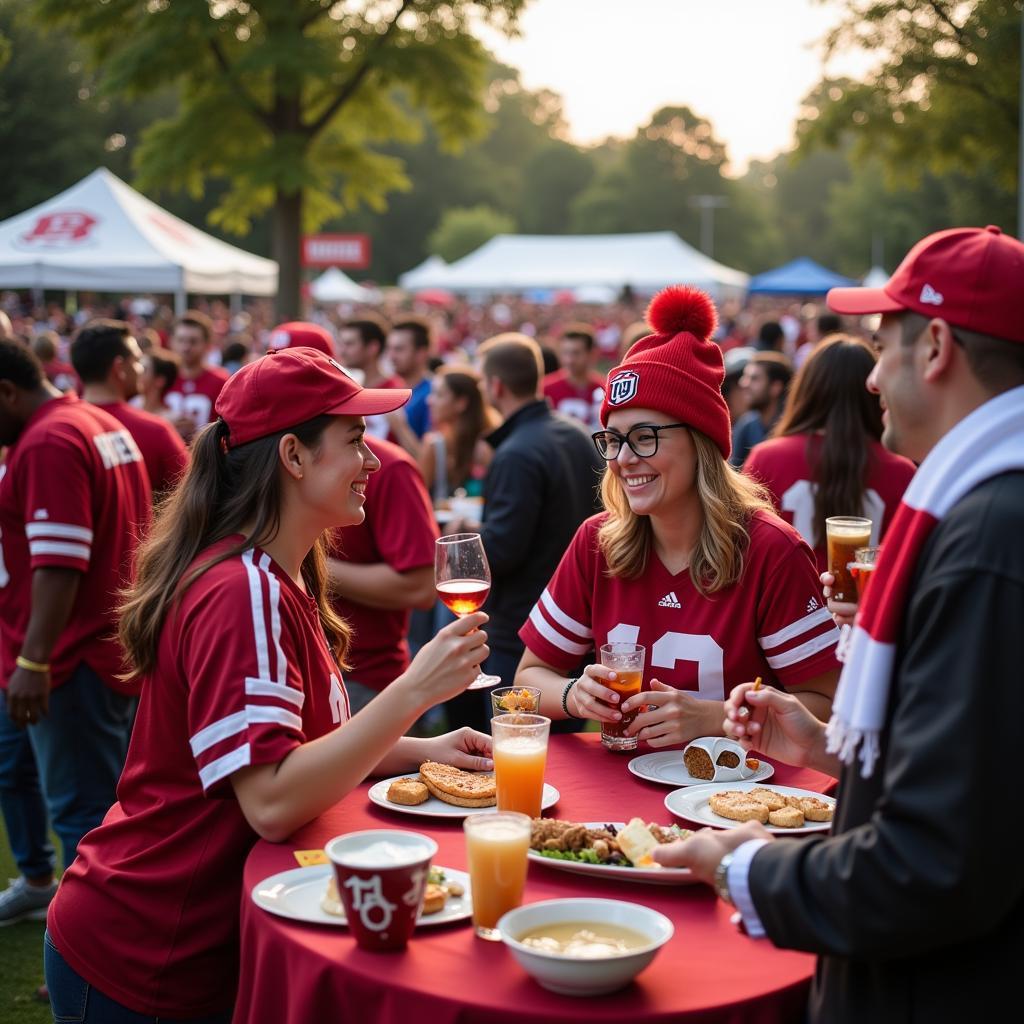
650	876
667	768
434	808
296	894
692	805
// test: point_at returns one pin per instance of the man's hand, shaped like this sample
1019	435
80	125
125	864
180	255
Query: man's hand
702	852
28	696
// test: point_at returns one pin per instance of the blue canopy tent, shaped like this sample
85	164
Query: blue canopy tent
800	277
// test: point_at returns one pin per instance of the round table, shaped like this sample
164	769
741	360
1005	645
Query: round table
295	973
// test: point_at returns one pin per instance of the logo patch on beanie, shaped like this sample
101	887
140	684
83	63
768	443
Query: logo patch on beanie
622	387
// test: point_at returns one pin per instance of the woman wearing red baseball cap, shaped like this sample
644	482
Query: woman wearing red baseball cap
687	561
243	728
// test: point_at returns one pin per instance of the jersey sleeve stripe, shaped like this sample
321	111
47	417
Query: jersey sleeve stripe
259	714
226	765
55	547
552	635
268	688
561	618
259	624
805	650
67	531
275	617
804	625
219	730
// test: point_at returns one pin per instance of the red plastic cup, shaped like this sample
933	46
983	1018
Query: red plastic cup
381	876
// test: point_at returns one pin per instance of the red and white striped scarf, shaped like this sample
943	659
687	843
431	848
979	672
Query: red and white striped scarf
984	444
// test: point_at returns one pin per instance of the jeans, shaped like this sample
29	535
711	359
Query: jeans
79	748
73	999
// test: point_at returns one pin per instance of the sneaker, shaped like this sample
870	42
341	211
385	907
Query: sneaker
23	902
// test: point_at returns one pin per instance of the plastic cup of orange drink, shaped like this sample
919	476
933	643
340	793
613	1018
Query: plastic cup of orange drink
520	750
496	846
627	661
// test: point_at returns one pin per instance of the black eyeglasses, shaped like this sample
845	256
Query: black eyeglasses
642	440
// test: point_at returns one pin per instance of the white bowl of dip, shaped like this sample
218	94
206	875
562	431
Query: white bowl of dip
579	970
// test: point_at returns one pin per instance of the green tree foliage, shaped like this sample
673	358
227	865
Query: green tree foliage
289	102
464	229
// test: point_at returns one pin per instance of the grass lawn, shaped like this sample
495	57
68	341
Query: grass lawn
21	959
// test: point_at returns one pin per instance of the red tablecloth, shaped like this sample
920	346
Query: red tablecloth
300	974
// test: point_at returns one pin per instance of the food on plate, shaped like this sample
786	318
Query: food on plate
585	940
737	806
331	901
705	755
454	786
728	759
698	763
813	809
786	817
753	764
434	898
570	840
769	807
772	800
518	700
409	791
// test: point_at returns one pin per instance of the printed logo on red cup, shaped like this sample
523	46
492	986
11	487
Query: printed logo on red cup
381	875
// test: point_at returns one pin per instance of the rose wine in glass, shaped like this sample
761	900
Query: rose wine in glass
463	581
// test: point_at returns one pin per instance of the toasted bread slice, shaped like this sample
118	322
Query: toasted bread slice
461	801
443	780
772	800
813	809
408	791
786	817
737	806
636	842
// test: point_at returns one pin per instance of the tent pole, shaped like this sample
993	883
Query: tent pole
235	304
180	302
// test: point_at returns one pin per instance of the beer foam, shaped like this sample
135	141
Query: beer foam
382	854
520	746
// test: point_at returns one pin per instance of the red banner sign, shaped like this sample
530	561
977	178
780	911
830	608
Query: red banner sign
352	251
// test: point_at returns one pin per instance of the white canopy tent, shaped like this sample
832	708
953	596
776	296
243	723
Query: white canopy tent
334	285
875	277
101	235
645	262
428	271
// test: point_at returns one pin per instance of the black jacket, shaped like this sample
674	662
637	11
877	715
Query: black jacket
916	904
541	484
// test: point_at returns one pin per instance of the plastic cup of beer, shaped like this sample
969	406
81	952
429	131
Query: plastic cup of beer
519	751
496	847
510	700
864	564
845	535
627	661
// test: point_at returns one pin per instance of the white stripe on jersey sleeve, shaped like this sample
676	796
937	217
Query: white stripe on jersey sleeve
224	766
65	530
268	688
275	617
217	731
257	714
805	650
561	618
808	622
553	636
55	547
259	624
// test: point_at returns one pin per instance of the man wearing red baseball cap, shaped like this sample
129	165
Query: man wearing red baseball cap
916	888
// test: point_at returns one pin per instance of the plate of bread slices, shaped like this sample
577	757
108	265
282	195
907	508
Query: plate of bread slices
780	809
311	894
443	791
609	849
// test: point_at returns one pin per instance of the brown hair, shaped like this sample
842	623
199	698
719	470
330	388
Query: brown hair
219	493
829	397
477	419
195	318
166	365
516	361
728	500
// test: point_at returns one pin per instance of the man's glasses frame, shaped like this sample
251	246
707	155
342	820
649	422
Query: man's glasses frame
609	442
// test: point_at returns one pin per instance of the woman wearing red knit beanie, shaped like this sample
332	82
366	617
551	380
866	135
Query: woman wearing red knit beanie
688	559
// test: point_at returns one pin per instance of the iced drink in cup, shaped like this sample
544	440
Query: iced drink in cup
496	846
845	535
520	751
381	875
627	662
864	564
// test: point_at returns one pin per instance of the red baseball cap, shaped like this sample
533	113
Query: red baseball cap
288	387
300	333
970	277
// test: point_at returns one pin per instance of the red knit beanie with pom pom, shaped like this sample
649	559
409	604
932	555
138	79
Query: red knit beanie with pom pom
677	370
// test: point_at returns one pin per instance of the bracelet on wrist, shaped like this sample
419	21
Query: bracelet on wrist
565	697
31	666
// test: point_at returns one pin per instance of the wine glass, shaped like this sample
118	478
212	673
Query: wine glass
463	581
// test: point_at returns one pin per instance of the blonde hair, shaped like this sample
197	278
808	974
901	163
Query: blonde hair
728	499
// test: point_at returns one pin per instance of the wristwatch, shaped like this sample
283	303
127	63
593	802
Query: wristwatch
721	879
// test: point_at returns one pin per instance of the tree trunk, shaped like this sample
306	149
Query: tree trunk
287	244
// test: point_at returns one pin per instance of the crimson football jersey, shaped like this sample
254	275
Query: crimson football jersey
399	529
194	398
244	676
783	465
771	623
583	404
162	448
74	494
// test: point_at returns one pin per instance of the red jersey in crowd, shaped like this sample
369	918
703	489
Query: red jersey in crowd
783	465
162	448
244	676
399	529
771	623
62	375
74	494
583	404
195	397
